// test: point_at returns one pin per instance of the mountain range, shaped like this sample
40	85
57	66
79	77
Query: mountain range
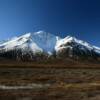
42	45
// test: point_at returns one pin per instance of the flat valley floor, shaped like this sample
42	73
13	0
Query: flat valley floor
49	83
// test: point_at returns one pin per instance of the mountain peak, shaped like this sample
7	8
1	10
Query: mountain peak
39	32
27	35
42	41
43	35
70	39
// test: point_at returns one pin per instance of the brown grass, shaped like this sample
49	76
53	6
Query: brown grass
69	63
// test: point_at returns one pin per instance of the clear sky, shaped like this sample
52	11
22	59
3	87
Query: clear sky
79	18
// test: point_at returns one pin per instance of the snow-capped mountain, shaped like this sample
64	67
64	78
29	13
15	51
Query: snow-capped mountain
74	47
22	42
37	42
32	44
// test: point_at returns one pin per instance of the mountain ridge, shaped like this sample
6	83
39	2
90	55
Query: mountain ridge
42	43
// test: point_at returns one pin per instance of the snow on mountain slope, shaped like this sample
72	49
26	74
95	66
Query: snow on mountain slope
21	42
72	43
97	49
45	40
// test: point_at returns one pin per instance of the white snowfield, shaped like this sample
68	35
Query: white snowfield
41	41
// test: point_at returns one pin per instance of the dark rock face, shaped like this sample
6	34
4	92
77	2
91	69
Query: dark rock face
19	55
74	50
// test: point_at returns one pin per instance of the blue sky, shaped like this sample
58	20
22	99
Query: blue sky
79	18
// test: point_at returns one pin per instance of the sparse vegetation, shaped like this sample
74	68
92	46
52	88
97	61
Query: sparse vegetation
64	84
